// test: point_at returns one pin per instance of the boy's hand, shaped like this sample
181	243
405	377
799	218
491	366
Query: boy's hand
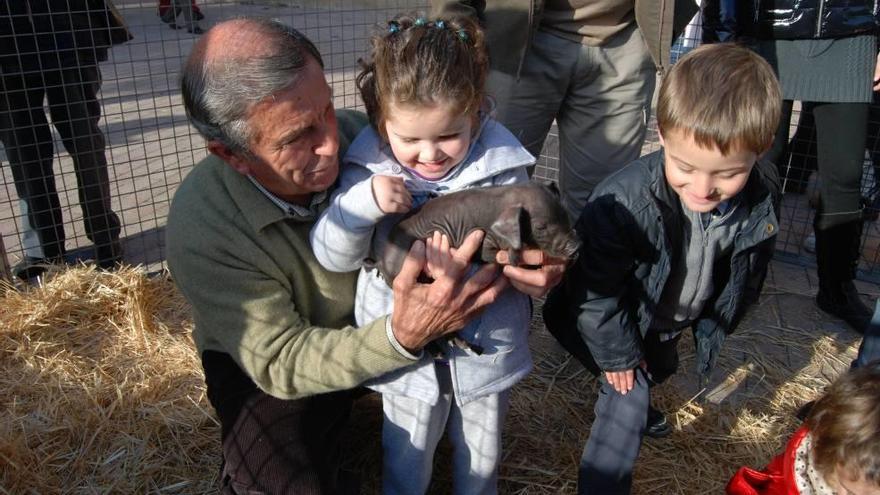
391	194
623	381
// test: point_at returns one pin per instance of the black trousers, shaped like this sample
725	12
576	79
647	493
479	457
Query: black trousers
841	134
71	93
275	446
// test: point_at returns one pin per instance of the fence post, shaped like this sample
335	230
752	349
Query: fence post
5	272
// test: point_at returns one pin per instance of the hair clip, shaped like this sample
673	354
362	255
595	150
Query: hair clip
439	24
462	35
393	27
419	22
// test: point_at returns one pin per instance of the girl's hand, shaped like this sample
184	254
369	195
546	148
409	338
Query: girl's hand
446	261
391	194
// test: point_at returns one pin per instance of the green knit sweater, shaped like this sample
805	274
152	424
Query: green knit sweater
257	291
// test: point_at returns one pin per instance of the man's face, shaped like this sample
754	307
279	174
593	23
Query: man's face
429	140
703	177
294	139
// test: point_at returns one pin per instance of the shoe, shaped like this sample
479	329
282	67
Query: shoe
173	25
845	303
838	249
657	426
109	256
195	30
31	270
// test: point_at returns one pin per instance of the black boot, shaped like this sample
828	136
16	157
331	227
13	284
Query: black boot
837	255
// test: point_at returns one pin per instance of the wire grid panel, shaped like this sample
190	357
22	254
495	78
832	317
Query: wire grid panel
150	146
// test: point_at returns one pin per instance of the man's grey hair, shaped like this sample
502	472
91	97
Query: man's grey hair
218	94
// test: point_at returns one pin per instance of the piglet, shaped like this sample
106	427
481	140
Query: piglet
514	218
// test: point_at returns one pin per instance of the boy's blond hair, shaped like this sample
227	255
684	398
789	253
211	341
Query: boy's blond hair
722	95
845	426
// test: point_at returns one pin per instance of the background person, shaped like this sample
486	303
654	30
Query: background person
830	61
50	51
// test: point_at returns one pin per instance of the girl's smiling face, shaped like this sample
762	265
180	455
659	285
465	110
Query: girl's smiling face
429	140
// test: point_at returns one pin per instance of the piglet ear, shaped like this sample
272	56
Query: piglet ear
508	227
551	186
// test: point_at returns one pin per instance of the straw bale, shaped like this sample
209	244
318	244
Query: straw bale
102	392
101	388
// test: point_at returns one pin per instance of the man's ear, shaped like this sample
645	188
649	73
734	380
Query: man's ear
233	158
660	137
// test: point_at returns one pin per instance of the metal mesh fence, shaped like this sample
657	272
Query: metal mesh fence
150	146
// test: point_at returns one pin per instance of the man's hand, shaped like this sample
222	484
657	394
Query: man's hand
391	194
423	312
877	74
535	282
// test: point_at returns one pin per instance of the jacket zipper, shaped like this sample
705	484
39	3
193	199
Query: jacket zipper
819	18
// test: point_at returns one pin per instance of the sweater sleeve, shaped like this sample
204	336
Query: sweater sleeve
262	298
341	237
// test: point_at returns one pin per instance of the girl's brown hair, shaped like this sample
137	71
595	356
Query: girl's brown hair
422	62
845	426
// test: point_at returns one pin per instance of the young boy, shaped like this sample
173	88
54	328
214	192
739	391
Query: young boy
679	238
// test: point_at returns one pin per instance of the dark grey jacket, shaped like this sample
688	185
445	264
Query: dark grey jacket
632	229
729	20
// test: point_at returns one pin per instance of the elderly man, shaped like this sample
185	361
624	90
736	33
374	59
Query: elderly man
273	328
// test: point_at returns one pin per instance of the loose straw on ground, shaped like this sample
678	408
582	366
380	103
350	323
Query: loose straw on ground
102	392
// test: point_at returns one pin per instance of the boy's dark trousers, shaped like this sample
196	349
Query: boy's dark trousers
616	434
274	446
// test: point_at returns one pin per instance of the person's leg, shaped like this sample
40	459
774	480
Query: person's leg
410	433
270	445
24	132
801	152
661	355
184	7
615	439
75	111
603	119
475	433
841	135
527	103
869	350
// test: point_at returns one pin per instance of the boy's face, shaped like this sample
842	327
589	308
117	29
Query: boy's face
703	177
429	140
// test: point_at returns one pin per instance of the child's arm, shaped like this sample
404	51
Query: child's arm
341	237
599	284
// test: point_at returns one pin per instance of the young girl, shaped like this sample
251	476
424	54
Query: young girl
430	134
835	452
